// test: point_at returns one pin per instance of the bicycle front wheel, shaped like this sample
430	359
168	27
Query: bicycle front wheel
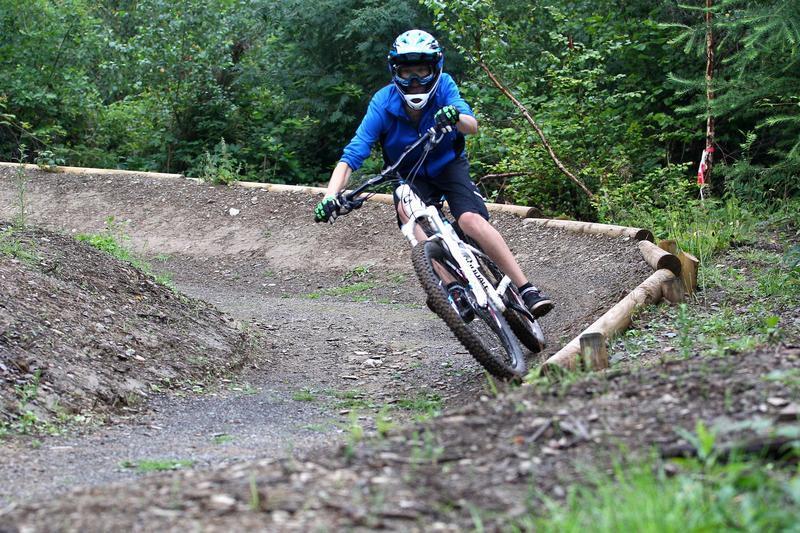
488	337
528	331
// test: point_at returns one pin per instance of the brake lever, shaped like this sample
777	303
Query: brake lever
347	204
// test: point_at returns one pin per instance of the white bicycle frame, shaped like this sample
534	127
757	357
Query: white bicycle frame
463	253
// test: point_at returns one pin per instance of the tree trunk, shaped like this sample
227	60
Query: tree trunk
709	92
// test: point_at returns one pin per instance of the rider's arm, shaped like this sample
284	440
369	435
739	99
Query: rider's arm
367	134
467	124
339	176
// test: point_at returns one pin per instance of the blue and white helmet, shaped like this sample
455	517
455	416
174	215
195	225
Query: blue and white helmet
416	47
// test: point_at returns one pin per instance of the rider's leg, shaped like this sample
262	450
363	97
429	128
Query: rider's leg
469	209
493	244
495	247
403	218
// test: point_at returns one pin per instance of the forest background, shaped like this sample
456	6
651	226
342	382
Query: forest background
270	90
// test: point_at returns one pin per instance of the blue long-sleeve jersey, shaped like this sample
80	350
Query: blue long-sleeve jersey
387	122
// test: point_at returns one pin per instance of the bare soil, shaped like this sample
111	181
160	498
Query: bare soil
335	337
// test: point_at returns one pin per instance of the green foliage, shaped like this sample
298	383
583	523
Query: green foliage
652	198
757	102
740	495
155	85
220	167
701	228
48	161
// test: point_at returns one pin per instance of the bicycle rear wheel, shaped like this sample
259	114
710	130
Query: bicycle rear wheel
488	337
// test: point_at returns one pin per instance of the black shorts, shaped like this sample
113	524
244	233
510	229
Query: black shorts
454	185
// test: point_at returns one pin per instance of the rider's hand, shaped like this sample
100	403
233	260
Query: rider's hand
327	210
446	118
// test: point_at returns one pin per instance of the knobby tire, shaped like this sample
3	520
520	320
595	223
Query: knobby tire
422	256
520	324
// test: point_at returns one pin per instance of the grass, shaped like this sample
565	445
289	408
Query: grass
222	439
790	378
353	400
424	405
21	184
11	246
157	465
360	271
743	495
345	290
304	395
113	241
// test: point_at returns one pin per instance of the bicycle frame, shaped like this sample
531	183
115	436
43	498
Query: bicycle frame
462	253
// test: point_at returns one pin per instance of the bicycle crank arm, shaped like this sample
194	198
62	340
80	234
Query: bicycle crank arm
522	310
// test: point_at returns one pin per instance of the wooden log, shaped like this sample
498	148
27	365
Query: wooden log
669	246
658	258
689	267
614	321
592	228
673	290
84	170
594	351
519	210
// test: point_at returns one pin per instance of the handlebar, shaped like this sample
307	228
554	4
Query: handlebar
351	200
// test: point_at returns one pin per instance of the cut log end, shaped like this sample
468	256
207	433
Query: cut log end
659	259
644	235
673	290
594	351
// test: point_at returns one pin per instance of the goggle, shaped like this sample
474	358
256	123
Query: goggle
406	76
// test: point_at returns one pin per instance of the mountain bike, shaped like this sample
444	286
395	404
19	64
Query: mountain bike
490	319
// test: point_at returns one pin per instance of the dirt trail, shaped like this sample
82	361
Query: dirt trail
338	307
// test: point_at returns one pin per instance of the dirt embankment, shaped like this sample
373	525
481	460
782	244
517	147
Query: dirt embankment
82	333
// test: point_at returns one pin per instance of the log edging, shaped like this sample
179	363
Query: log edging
592	228
519	210
674	278
659	258
613	321
87	170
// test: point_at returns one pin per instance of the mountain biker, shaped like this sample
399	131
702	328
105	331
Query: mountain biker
422	96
